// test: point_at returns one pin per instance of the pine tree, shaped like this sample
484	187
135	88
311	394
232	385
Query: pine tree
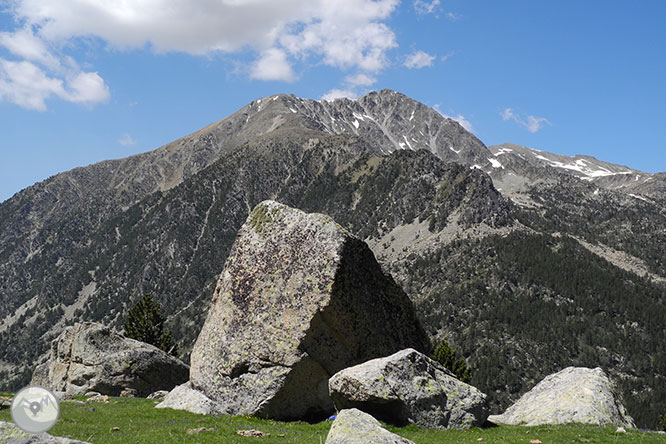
145	323
448	357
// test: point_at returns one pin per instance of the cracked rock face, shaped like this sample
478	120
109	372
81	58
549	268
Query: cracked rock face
299	299
409	387
573	395
90	357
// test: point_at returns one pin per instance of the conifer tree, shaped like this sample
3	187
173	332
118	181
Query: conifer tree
448	357
145	323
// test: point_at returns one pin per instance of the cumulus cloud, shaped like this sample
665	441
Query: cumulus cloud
273	65
532	123
127	140
419	59
426	7
339	94
360	80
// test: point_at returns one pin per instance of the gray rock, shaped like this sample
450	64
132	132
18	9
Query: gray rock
5	403
10	434
409	387
299	299
184	397
160	395
352	426
90	357
573	395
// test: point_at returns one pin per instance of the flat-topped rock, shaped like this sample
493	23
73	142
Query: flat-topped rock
299	299
89	356
409	387
573	395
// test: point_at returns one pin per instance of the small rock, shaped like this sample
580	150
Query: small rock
479	439
535	441
99	398
252	432
89	394
115	429
199	430
158	395
184	397
620	430
352	426
5	404
128	393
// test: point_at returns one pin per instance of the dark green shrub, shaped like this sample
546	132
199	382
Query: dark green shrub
145	323
448	357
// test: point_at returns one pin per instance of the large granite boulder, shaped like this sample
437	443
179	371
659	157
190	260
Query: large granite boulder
353	426
573	395
299	299
90	357
10	434
409	387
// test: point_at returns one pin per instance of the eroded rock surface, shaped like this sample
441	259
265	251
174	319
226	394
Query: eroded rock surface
299	299
573	395
90	357
409	387
352	426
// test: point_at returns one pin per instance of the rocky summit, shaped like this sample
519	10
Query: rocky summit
91	357
299	299
409	387
573	395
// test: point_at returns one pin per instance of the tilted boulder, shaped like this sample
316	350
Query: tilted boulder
299	299
10	434
573	395
90	357
353	426
184	397
409	387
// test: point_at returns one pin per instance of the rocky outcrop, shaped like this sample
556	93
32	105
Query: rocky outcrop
184	397
573	395
409	387
90	357
353	426
300	299
10	434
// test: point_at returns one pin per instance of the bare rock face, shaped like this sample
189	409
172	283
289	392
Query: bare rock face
573	395
353	426
90	357
299	299
409	387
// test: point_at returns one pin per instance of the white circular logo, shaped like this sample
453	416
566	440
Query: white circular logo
35	409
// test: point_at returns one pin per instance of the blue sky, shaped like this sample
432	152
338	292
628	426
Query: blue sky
86	80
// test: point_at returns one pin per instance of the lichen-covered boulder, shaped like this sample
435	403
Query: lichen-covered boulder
409	387
573	395
10	434
90	357
352	426
299	299
184	397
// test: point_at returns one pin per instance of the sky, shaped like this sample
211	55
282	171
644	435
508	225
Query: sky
87	80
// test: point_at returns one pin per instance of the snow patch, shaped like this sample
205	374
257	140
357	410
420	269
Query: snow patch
408	144
455	151
356	124
639	197
293	110
502	151
495	163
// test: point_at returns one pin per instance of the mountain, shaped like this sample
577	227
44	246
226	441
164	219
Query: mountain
526	265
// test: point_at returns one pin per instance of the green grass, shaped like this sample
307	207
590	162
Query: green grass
139	422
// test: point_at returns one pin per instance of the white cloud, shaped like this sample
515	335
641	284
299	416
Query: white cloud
25	44
27	85
532	123
127	140
273	65
360	80
339	94
453	16
419	59
425	7
462	120
345	34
